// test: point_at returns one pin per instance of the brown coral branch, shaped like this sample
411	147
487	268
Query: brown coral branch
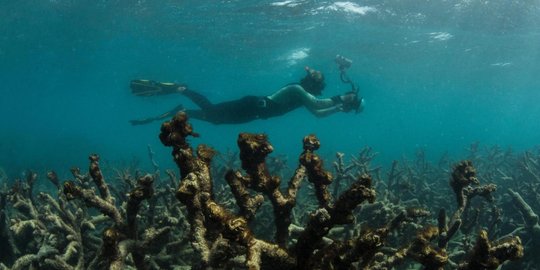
363	248
316	173
174	133
196	193
322	220
53	177
124	248
420	250
196	180
143	191
254	148
73	191
97	176
463	175
445	233
248	204
488	255
236	229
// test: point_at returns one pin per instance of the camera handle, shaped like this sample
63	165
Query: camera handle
343	65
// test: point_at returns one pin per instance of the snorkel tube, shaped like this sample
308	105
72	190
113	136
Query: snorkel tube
344	64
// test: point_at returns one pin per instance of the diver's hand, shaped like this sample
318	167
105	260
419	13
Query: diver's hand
349	97
350	102
345	98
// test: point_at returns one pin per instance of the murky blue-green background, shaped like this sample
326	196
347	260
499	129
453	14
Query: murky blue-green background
438	75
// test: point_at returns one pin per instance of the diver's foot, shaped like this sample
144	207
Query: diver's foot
171	88
181	88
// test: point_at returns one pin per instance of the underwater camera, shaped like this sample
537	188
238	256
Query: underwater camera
343	62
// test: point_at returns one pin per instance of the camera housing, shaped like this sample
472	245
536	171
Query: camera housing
343	62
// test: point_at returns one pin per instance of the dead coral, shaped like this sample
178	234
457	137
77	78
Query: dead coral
145	222
325	218
121	239
490	255
195	191
529	216
254	148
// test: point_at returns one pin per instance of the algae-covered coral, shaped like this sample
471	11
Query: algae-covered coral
416	216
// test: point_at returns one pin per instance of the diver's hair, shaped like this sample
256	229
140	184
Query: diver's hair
312	85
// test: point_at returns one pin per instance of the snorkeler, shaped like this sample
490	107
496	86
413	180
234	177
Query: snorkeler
249	108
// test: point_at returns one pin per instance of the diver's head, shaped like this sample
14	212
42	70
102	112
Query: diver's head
313	82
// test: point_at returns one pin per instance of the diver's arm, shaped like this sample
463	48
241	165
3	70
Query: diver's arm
297	92
326	112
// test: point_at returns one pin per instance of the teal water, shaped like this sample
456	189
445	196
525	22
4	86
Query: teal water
438	75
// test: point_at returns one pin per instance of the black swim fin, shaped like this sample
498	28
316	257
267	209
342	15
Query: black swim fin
146	88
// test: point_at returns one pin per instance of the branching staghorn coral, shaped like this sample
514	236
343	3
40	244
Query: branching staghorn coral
7	245
435	255
212	224
195	191
57	232
247	204
360	252
194	220
359	164
26	223
463	176
121	239
421	250
343	172
328	215
254	148
485	255
528	214
490	255
69	225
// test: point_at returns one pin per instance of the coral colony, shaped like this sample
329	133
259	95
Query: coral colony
216	216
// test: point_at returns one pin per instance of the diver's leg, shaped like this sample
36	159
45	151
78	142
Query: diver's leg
197	98
237	111
148	120
198	114
146	88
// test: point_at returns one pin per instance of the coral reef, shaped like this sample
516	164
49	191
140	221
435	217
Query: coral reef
239	215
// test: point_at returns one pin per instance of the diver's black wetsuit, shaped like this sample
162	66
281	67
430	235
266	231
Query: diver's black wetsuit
245	109
242	110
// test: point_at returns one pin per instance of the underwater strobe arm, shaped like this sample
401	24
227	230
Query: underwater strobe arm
344	64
